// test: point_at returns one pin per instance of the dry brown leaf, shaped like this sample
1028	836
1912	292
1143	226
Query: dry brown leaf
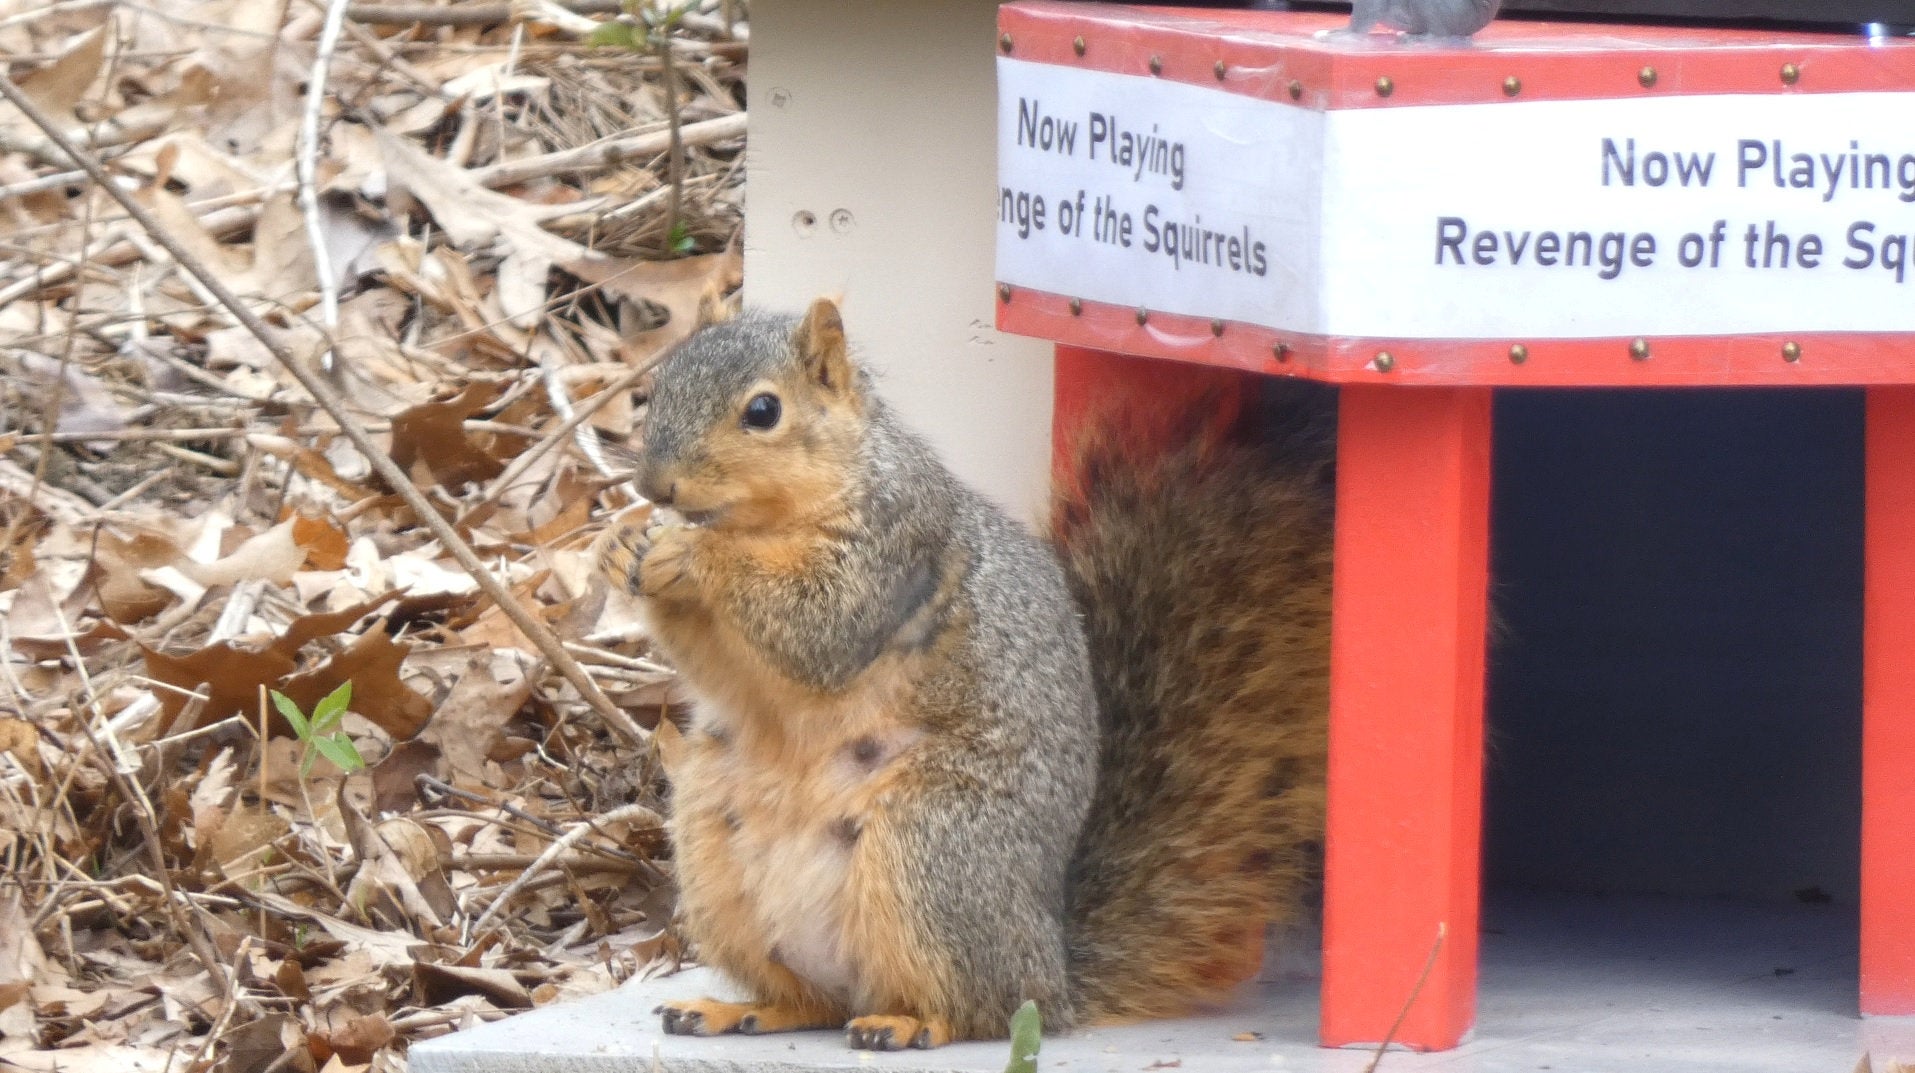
269	556
260	1043
442	983
371	664
20	741
688	290
99	1058
21	963
395	784
324	540
309	463
60	85
401	871
354	1044
474	216
230	675
490	687
433	435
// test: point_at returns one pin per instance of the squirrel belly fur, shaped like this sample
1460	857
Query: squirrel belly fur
937	766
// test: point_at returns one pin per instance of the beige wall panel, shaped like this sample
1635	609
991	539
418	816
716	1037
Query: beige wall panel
874	121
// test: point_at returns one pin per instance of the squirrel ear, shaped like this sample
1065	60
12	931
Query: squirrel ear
819	341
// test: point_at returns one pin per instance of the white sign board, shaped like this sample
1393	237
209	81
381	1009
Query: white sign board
1666	215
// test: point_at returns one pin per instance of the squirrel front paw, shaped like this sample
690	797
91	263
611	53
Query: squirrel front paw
666	565
648	558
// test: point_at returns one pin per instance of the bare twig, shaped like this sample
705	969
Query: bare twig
306	168
633	811
1442	932
609	153
465	14
142	808
329	399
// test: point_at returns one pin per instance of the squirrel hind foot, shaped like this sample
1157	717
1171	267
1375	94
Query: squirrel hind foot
895	1033
710	1017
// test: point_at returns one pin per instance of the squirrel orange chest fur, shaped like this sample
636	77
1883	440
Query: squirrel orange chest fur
773	799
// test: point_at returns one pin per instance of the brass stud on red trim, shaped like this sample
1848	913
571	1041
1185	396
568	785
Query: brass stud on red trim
1077	307
1077	45
1639	350
1004	43
1004	292
1143	316
1216	326
1791	351
1512	86
1518	354
1384	86
1220	70
1646	76
1791	74
1385	361
1156	65
1296	90
1281	351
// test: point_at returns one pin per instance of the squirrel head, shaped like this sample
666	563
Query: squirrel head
755	423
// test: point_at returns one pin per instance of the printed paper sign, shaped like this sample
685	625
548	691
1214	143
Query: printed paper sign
1714	215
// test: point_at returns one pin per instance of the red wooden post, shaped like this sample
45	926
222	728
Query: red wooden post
1888	707
1406	715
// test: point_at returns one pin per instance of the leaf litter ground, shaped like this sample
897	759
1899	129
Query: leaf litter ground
509	240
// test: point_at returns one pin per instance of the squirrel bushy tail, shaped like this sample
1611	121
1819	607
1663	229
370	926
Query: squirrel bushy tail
1203	572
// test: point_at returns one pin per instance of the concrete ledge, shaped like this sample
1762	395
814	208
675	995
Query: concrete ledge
617	1033
1569	985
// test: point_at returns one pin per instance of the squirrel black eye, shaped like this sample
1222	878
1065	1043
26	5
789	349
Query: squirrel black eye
762	411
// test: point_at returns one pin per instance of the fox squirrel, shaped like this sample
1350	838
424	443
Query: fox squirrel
932	771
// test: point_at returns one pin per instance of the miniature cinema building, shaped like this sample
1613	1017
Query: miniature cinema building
1437	226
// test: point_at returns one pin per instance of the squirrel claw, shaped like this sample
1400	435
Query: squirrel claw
876	1039
896	1033
679	1022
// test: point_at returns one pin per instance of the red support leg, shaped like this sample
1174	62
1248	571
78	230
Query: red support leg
1406	716
1888	707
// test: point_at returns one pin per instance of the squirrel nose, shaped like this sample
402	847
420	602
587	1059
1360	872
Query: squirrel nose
658	490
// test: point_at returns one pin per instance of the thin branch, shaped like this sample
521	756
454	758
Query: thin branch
465	14
329	399
553	852
610	152
306	168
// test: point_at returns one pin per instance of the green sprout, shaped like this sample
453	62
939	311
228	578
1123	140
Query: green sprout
320	735
1027	1035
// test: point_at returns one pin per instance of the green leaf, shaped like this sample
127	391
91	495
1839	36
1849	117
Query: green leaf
340	750
306	759
618	34
292	713
331	708
1027	1035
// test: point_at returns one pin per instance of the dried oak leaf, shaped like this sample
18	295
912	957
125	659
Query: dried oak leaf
355	1043
395	779
268	1042
689	290
473	217
489	688
19	740
60	85
438	984
371	663
433	434
118	559
232	674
